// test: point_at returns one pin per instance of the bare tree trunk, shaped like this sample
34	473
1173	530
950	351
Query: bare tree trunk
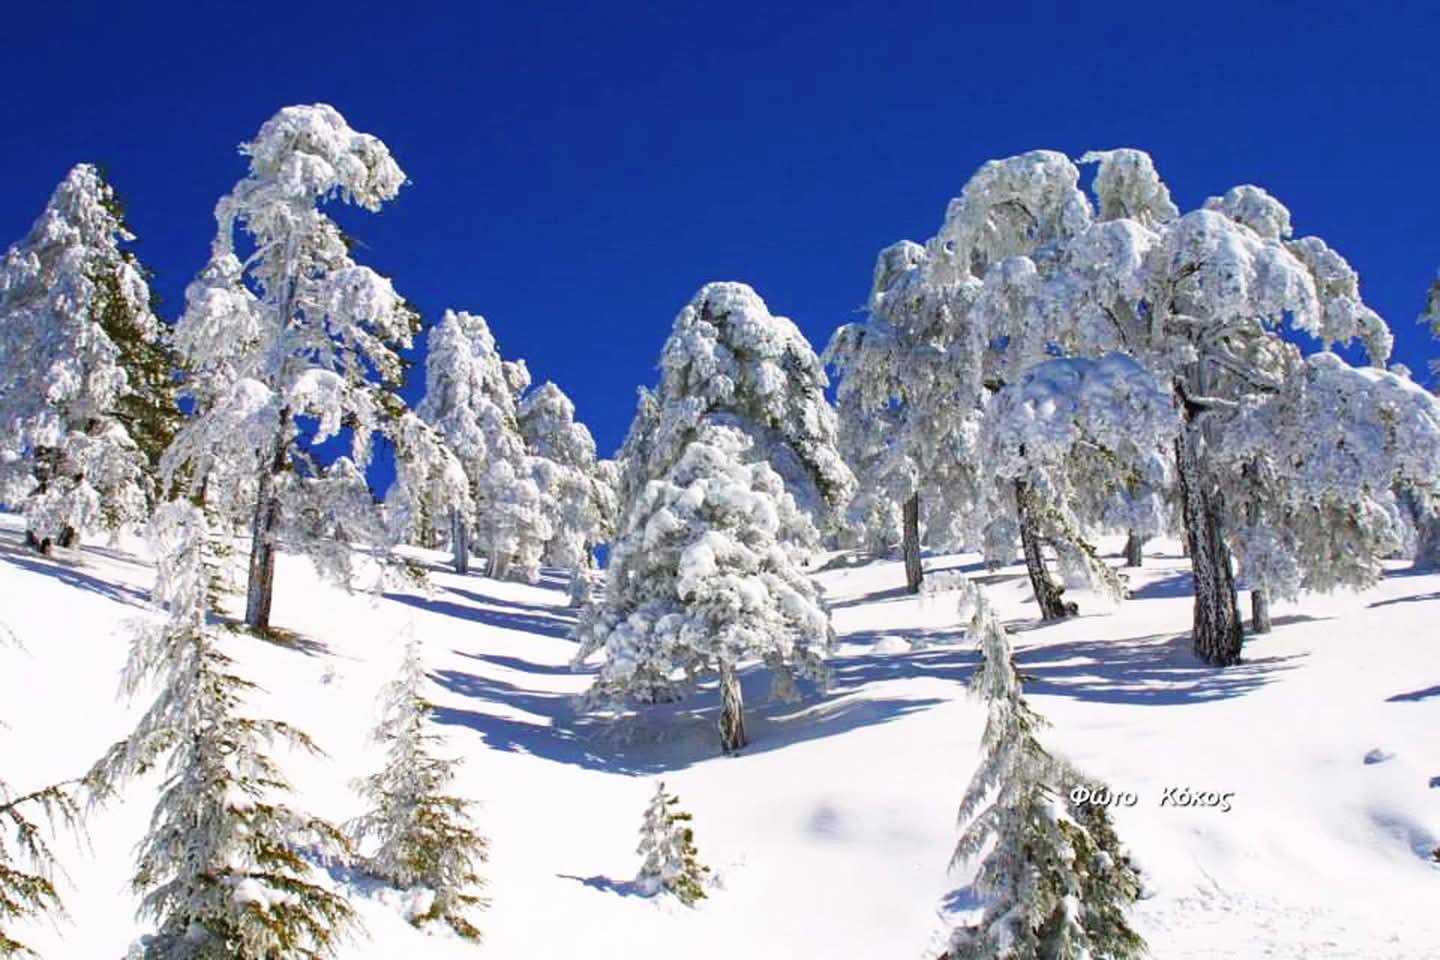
460	542
499	565
68	536
914	572
1048	593
1134	550
1217	632
37	544
1260	610
260	591
732	710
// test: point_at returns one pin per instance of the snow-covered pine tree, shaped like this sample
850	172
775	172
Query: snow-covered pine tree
470	398
1200	300
223	870
573	494
86	392
1055	881
728	468
707	574
430	484
728	355
424	841
1067	431
670	861
1427	501
27	865
293	343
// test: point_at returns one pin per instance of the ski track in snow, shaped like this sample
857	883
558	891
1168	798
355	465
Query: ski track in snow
831	832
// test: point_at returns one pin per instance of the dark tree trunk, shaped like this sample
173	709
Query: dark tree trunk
1217	632
36	543
260	590
1260	610
914	572
68	537
460	542
1427	549
1134	550
732	710
1048	593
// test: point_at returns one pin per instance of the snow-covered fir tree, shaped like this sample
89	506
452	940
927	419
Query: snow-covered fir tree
1427	501
1054	879
27	864
86	395
470	398
223	870
1200	300
292	344
705	576
430	484
574	494
669	860
422	839
736	451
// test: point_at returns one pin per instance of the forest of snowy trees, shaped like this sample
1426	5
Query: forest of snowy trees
1070	356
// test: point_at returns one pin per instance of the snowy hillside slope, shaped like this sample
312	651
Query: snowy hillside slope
831	832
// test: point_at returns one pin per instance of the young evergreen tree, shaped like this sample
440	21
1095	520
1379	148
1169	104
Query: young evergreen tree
423	838
294	343
667	845
223	870
86	383
1055	880
27	864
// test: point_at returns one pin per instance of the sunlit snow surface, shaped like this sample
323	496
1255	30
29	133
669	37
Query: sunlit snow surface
831	832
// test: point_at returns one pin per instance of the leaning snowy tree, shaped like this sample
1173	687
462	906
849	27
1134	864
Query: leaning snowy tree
423	839
1055	881
729	469
667	845
27	865
86	385
292	344
1070	430
224	869
573	492
470	398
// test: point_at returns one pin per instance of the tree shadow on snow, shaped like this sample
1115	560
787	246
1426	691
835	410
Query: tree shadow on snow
1156	670
1415	696
1413	598
554	622
28	560
659	738
623	888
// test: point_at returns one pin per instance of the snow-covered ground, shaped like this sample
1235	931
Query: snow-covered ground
831	832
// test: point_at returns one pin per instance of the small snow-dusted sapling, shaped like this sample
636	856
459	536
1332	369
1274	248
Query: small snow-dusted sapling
27	865
423	840
1054	880
224	869
667	845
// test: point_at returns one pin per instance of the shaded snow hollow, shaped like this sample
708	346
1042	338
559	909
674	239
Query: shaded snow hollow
832	831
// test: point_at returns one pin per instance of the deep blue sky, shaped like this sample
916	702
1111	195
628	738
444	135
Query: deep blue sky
579	170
